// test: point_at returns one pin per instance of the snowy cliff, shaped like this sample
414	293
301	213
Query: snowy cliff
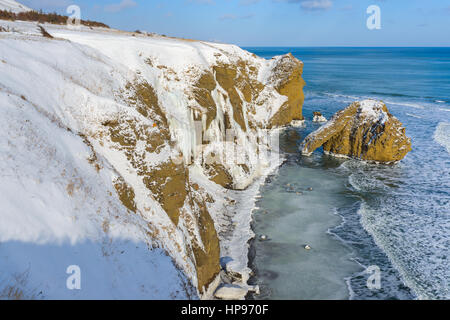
115	143
13	6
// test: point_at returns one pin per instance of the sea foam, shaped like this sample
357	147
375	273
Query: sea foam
442	135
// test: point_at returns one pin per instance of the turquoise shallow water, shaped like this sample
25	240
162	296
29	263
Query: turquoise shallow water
359	215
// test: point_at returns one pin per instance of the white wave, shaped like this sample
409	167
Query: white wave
442	135
421	268
411	105
380	241
357	98
337	95
413	115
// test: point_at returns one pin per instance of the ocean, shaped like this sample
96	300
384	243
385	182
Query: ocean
362	221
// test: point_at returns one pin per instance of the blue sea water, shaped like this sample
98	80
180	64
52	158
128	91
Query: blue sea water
359	215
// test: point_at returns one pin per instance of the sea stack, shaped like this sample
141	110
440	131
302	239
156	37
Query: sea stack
364	130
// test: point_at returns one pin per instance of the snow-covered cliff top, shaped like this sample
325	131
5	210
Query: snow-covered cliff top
13	6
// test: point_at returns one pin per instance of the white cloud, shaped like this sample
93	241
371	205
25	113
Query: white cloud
202	1
228	17
46	4
124	4
311	4
235	17
248	2
316	4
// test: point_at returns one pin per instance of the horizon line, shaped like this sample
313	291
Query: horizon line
287	46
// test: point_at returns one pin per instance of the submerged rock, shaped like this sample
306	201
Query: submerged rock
254	289
364	130
318	117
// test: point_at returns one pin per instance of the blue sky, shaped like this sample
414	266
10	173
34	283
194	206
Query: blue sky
274	22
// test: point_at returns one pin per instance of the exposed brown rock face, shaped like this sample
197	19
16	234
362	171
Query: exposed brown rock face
202	91
126	194
206	258
364	130
287	79
168	184
238	76
219	175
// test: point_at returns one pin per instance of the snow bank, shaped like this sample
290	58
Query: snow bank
57	211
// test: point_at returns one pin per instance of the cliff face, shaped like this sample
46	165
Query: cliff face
364	130
286	78
173	123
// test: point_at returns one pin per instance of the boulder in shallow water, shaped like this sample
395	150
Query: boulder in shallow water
364	130
231	292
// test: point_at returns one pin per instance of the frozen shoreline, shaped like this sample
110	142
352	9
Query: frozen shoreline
235	249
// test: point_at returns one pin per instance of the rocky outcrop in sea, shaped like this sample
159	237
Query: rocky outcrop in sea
364	130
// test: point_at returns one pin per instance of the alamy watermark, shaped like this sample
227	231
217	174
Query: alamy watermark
74	19
374	20
73	282
374	280
232	147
